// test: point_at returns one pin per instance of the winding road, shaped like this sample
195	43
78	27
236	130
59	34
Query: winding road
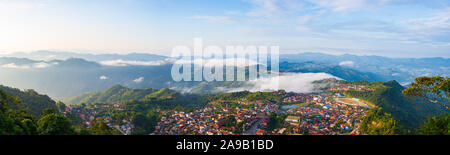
252	129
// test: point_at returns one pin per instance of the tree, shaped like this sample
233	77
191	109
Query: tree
145	124
14	121
101	128
80	129
29	127
436	126
230	121
434	89
378	122
61	106
437	90
48	111
54	124
8	127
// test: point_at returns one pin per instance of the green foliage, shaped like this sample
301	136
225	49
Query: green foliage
61	106
118	93
8	126
275	121
388	95
434	89
29	127
436	126
145	124
251	96
14	121
229	121
81	130
378	122
33	102
48	111
101	128
55	124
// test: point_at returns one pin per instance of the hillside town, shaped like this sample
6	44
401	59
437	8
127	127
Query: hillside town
85	115
320	113
346	87
211	120
312	113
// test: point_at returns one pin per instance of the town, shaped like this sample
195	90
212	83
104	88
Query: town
305	114
320	113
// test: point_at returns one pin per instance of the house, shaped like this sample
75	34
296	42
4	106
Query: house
339	95
294	119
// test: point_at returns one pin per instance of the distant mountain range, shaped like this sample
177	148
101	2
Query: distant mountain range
400	69
66	74
61	55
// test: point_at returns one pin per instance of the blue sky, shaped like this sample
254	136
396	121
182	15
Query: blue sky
394	28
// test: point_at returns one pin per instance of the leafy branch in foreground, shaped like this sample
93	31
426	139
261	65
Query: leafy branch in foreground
434	89
436	126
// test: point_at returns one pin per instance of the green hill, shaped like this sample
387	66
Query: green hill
33	101
388	96
118	93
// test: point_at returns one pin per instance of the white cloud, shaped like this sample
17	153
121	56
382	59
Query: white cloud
349	5
273	8
139	80
238	62
347	63
437	24
291	82
120	62
16	4
103	77
217	19
13	65
39	65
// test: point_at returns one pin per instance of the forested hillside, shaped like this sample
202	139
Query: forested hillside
33	102
388	96
118	93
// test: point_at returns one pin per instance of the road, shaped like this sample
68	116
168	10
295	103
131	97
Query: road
120	130
252	129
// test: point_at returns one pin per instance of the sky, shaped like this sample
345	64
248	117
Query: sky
393	28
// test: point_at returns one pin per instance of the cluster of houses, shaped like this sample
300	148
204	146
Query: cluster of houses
93	112
322	117
210	120
319	115
308	113
346	87
295	97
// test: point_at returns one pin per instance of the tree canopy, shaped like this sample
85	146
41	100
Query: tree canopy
436	126
55	124
434	89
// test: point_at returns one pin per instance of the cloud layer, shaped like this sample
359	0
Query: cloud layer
138	80
239	62
120	62
39	65
103	77
291	82
347	63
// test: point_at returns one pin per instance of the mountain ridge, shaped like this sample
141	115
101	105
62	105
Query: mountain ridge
119	93
32	100
388	96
